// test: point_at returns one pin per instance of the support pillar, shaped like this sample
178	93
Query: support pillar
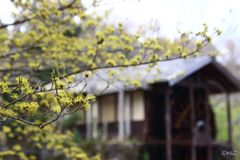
193	119
120	115
209	139
89	123
229	120
127	115
168	125
95	120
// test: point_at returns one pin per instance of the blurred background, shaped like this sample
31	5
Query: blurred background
167	19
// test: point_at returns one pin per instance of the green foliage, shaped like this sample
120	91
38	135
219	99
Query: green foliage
145	156
113	149
220	111
72	120
221	120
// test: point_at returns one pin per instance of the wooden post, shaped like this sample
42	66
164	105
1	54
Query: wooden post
95	120
147	96
193	119
229	120
168	125
127	115
89	123
105	130
120	115
209	138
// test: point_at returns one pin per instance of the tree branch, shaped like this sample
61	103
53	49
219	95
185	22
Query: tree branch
17	22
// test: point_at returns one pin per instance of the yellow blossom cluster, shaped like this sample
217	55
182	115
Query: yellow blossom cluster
24	142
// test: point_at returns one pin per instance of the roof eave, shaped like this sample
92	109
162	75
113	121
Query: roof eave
189	72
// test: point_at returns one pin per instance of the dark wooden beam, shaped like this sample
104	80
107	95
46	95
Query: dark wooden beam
174	142
192	106
168	125
182	143
207	110
182	117
147	115
191	84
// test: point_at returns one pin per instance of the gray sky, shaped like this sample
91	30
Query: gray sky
183	15
170	15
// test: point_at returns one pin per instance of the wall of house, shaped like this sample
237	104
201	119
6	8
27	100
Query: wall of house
133	107
103	115
138	111
107	108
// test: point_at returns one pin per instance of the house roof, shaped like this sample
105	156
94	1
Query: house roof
170	72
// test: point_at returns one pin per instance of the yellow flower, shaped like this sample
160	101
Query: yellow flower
56	108
6	129
17	147
32	157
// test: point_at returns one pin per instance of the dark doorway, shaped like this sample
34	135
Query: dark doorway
156	122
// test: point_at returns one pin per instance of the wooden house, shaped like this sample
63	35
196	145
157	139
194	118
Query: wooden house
170	114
